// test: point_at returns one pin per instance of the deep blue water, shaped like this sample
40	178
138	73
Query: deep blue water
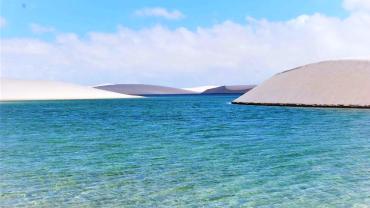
183	151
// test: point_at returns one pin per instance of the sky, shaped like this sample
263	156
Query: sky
178	43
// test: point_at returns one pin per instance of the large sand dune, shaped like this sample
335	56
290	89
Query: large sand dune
343	83
14	89
143	89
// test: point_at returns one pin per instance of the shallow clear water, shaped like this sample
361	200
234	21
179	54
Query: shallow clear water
185	151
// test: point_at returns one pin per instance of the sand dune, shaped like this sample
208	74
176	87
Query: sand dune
200	89
143	89
229	89
14	89
343	83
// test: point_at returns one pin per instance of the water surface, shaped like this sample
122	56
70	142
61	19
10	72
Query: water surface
182	151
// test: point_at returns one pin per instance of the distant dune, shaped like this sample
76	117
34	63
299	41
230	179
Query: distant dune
342	83
200	89
143	89
229	89
14	90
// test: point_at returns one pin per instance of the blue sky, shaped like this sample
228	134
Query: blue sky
82	16
176	43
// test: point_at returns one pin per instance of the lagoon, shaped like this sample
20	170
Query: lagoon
182	151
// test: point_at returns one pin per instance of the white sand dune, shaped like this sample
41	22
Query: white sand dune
200	89
17	90
342	83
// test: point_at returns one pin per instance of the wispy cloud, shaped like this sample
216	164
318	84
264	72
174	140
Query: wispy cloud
160	12
2	22
40	29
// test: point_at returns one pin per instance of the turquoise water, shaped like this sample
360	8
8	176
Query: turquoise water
184	151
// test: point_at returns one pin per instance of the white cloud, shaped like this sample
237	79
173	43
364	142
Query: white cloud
2	22
226	53
39	29
357	5
160	12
